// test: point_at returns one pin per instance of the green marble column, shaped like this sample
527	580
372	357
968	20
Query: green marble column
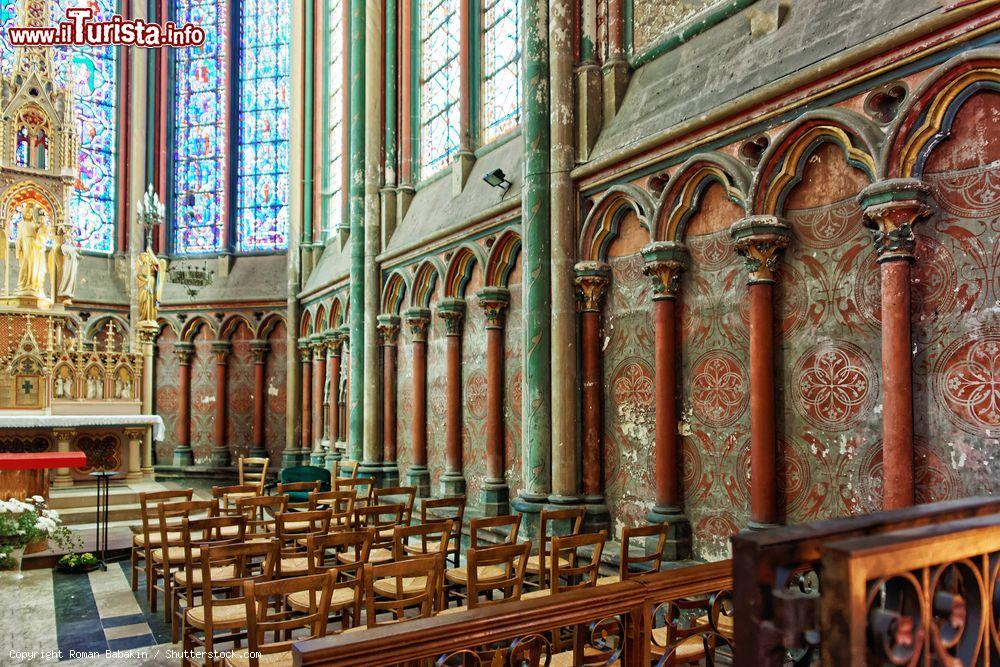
356	215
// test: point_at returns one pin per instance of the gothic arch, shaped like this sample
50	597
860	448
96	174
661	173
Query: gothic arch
394	292
194	325
602	223
782	165
231	324
336	317
268	324
424	282
927	118
682	195
463	263
502	259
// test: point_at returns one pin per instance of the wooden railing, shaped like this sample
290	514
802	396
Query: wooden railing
616	621
781	582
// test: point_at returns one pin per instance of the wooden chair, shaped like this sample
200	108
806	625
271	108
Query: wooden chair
223	607
400	577
566	562
266	613
363	487
198	535
391	494
340	503
169	556
149	538
299	488
630	567
227	496
380	520
457	578
253	471
539	564
259	513
509	560
447	509
432	539
345	469
322	552
291	528
687	636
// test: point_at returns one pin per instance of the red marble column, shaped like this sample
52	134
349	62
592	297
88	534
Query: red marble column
388	328
664	263
591	285
318	345
452	311
260	349
183	454
495	493
760	240
305	358
220	448
891	209
334	343
418	319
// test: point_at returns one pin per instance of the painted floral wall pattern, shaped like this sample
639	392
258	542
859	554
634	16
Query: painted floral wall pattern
165	398
239	389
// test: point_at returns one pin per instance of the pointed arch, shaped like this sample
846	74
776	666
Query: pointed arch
425	281
96	325
305	323
502	259
319	320
602	223
394	292
782	166
682	195
231	324
336	317
268	324
194	325
927	118
463	263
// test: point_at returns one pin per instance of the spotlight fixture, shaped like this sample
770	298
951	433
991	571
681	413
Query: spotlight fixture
498	179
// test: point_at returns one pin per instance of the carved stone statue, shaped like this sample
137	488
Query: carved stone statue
31	250
70	257
150	273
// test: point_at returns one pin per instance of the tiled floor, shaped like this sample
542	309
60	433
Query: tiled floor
50	617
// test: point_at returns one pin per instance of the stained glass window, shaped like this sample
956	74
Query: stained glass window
93	72
334	115
200	138
500	107
262	171
440	85
8	17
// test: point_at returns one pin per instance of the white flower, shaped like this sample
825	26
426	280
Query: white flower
38	499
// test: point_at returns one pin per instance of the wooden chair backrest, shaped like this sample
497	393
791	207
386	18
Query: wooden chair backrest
148	508
433	539
443	509
313	486
430	567
260	513
340	503
577	575
546	525
288	536
363	488
511	522
251	561
253	470
219	493
170	516
513	558
341	466
379	518
199	534
267	612
323	549
386	494
648	562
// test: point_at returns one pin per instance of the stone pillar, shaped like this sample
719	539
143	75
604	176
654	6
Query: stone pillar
147	337
418	475
305	444
318	345
891	209
64	438
334	344
452	311
388	328
183	454
495	493
664	263
135	437
258	446
760	239
591	284
220	448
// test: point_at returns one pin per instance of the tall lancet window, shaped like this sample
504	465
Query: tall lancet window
262	186
500	84
333	189
200	131
440	84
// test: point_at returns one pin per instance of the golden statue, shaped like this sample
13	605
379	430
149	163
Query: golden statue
150	273
31	251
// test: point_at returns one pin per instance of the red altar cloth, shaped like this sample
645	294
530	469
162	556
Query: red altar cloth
43	461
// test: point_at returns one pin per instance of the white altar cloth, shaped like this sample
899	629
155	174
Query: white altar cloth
84	421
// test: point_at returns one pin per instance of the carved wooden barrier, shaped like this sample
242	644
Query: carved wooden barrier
778	577
614	624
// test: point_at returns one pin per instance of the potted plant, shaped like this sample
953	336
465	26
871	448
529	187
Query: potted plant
29	523
77	563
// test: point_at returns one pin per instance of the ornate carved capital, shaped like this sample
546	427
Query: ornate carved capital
891	209
259	348
344	335
495	301
665	261
146	333
452	311
135	433
591	283
388	329
317	343
221	350
184	352
760	239
305	351
418	319
334	341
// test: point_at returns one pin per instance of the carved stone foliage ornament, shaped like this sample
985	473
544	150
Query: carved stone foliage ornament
591	284
495	301
665	262
103	452
418	319
891	209
760	239
388	329
452	311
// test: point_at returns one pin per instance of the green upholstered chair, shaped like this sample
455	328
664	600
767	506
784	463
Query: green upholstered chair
295	474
